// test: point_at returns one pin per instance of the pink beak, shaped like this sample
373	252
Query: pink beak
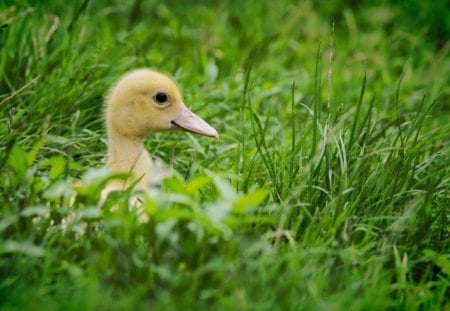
190	122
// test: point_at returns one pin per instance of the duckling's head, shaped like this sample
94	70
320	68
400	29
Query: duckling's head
145	101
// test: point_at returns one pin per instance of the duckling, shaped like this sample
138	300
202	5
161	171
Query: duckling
144	101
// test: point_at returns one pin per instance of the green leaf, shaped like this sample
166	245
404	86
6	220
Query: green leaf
250	200
58	166
60	140
17	160
219	211
91	212
38	210
31	155
94	177
24	248
175	184
225	189
440	260
197	183
58	189
94	181
212	70
8	221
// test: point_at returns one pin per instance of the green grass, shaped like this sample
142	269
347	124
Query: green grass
328	189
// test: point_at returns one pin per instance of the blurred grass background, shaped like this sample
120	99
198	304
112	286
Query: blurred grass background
328	189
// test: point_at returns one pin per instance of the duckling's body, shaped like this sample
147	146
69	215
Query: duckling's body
141	102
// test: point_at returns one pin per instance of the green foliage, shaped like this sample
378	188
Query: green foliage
328	189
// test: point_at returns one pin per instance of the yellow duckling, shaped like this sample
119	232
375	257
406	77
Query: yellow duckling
141	102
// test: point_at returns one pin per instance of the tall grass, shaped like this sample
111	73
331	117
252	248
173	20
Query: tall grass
328	189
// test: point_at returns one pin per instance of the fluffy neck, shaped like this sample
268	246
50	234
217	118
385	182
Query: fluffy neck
126	154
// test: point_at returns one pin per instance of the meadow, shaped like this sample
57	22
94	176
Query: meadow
329	188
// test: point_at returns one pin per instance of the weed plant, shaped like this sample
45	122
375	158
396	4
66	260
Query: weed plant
327	190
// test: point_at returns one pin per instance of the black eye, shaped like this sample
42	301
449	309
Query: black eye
161	98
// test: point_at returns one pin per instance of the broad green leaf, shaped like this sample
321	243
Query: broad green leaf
197	183
252	199
17	160
440	260
218	211
60	140
225	189
95	176
212	70
58	189
8	221
91	212
94	180
31	155
38	210
22	247
150	206
58	166
175	184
